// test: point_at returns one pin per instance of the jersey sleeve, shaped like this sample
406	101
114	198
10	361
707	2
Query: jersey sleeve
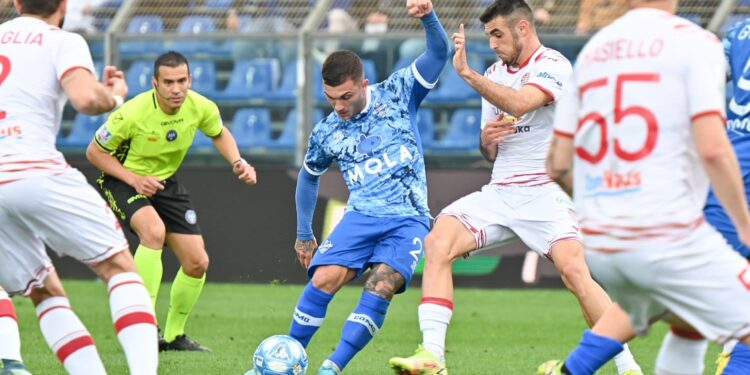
401	82
317	159
114	131
551	73
566	110
211	125
705	76
72	53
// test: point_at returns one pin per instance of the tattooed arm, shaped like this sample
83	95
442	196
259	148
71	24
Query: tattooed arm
560	162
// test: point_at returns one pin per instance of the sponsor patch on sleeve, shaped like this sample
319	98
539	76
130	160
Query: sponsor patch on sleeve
103	135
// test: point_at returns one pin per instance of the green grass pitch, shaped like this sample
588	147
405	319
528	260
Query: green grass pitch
493	331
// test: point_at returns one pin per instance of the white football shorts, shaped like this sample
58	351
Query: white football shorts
699	278
539	215
62	211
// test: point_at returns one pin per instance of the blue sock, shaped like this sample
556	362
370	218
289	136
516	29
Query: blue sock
739	360
359	329
592	353
309	313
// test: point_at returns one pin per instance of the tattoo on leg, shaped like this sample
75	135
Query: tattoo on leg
384	281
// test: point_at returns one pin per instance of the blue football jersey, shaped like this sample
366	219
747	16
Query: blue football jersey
737	51
378	151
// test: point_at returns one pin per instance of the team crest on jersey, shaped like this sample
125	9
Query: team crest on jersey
381	110
327	244
191	217
367	145
171	135
103	135
525	78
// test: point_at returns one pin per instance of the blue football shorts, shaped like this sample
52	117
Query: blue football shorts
359	241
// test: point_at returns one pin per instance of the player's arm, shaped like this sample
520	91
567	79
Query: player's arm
560	161
102	159
431	62
723	170
89	96
492	135
306	196
515	103
227	147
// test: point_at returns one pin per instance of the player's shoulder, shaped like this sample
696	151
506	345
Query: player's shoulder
550	56
139	106
200	103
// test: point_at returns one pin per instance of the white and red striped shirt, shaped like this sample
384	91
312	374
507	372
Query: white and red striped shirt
34	56
520	158
637	86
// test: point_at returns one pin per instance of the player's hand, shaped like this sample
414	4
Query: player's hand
245	172
496	130
148	185
460	62
114	81
419	8
305	250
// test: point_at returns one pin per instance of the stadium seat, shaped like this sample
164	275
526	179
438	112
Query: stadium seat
143	24
195	25
287	140
251	79
463	133
287	90
83	130
99	69
251	127
426	126
451	87
402	63
201	142
204	77
732	20
138	77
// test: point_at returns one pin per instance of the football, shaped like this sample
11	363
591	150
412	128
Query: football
279	355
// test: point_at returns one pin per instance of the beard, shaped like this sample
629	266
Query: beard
512	59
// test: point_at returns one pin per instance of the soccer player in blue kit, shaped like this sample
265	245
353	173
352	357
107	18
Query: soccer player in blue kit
373	136
685	350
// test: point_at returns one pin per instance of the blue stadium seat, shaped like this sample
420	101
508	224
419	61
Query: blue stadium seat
426	126
99	69
204	77
201	142
251	79
143	24
402	63
451	87
732	20
195	25
219	4
463	133
83	130
287	90
287	140
251	127
138	77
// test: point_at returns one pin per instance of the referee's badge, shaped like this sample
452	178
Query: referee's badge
171	135
191	217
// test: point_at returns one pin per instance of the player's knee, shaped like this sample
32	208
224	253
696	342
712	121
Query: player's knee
437	248
329	279
153	236
197	266
49	290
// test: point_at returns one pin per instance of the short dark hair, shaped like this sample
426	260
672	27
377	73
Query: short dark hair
42	8
341	66
511	10
171	59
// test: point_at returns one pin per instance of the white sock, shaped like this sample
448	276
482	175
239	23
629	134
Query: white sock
10	342
729	346
625	361
433	321
68	338
681	355
133	315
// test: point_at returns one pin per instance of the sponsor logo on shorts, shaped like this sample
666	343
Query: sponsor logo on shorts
171	135
613	183
103	135
191	217
327	244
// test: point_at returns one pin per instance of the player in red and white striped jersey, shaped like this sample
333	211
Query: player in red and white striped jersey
43	201
641	131
519	96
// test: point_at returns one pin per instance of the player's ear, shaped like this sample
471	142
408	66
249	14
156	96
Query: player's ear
154	81
365	81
